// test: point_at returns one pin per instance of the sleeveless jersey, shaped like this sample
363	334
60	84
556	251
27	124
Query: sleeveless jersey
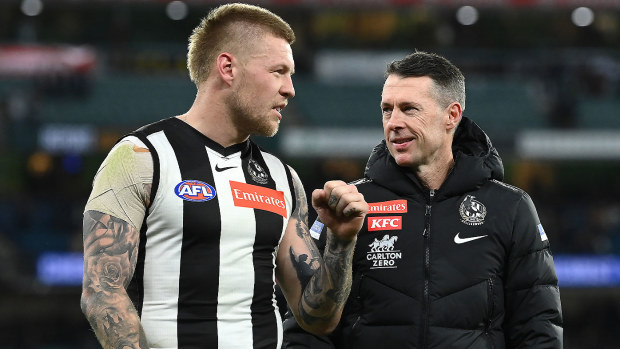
205	268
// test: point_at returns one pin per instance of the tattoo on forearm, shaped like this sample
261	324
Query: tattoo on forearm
110	255
338	257
304	265
325	285
305	268
331	284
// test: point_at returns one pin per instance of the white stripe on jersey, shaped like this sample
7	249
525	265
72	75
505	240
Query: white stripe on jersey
160	305
278	171
236	282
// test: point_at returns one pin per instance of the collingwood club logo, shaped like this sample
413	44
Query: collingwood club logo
382	253
257	173
472	211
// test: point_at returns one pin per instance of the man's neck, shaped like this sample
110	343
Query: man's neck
211	119
433	175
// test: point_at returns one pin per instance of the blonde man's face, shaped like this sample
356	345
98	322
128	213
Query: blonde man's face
264	86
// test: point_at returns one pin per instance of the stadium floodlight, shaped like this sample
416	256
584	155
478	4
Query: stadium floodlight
176	10
467	15
32	8
582	16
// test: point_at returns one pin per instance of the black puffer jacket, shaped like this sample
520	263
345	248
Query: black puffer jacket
465	266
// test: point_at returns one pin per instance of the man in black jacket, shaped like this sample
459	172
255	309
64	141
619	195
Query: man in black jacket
449	256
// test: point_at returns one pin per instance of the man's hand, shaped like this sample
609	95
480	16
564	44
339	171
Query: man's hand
341	208
316	287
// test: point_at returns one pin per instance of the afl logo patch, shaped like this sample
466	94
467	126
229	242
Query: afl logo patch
193	190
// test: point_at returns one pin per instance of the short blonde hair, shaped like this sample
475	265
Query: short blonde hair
230	27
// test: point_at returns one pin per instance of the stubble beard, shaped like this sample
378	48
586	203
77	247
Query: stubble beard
248	120
407	159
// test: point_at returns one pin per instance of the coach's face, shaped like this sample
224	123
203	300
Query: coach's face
415	125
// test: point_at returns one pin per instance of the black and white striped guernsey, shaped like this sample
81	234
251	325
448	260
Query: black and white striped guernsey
205	270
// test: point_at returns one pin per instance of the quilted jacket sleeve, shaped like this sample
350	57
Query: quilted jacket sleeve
533	308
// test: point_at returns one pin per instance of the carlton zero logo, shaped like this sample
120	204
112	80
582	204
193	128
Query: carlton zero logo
393	206
193	190
385	223
253	196
383	253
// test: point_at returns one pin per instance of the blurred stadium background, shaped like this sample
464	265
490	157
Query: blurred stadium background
543	79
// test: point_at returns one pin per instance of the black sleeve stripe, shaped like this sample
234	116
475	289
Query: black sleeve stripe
141	136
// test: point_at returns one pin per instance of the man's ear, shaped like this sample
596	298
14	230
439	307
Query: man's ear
224	65
455	112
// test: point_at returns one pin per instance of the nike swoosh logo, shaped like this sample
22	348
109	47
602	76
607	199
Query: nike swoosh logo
460	240
220	169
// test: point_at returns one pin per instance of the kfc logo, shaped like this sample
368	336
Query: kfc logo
385	223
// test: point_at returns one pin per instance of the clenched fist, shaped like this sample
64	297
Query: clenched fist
341	208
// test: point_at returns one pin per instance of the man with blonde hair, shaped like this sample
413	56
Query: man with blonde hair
190	223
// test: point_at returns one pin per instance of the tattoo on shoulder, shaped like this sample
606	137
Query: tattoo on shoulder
301	213
147	192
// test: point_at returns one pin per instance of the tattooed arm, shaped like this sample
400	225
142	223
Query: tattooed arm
316	288
114	213
110	252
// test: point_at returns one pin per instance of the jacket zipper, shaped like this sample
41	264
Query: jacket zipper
491	306
427	266
357	298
